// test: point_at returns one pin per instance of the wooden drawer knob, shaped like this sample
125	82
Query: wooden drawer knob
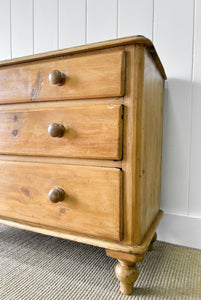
56	130
56	195
56	77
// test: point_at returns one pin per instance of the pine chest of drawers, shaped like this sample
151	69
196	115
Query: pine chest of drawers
80	147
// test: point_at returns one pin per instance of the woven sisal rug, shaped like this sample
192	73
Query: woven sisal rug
39	267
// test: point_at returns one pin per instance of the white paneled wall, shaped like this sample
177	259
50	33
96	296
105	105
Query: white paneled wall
72	23
135	17
45	25
33	26
21	19
101	20
175	49
195	163
5	49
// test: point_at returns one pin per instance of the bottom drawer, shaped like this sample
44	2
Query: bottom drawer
91	205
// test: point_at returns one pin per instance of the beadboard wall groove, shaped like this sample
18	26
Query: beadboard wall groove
33	26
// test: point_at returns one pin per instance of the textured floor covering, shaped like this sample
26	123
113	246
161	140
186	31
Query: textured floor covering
39	267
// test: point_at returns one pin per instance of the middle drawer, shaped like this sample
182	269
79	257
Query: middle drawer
93	131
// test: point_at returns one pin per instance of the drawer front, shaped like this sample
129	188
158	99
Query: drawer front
89	132
92	203
86	76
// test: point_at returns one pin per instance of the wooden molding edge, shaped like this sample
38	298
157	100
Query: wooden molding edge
137	39
132	249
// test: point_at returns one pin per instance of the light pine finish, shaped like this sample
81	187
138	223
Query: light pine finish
126	256
87	76
149	145
181	58
81	191
143	107
92	204
112	247
137	39
127	273
69	103
64	160
93	131
151	246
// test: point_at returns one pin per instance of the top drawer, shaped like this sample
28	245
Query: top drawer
86	76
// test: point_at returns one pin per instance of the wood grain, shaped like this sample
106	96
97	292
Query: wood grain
133	76
130	40
69	103
64	160
90	131
151	246
51	183
93	197
149	145
127	273
137	250
87	76
143	109
125	256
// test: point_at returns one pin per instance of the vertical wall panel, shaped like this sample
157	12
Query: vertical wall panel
173	37
5	52
22	27
72	20
197	44
195	170
45	25
135	18
101	20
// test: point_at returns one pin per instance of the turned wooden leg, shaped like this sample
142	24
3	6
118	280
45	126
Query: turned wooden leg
127	273
151	246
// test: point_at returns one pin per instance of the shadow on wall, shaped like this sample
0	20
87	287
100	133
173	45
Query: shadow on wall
180	97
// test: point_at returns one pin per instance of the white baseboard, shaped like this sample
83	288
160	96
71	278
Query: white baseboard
180	230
